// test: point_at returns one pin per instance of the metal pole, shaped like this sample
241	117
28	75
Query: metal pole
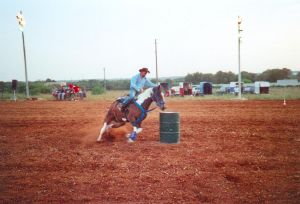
239	77
104	81
239	59
156	62
15	98
26	78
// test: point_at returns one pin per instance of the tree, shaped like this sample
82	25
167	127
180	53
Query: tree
197	77
207	77
272	75
49	80
169	81
188	77
249	77
224	77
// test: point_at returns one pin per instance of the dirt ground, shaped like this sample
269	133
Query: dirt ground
229	152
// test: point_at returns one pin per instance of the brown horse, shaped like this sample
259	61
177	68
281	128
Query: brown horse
136	112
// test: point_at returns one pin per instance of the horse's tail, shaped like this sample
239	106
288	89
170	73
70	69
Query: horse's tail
115	109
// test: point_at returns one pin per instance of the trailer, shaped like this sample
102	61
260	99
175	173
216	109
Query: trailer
261	87
205	88
185	88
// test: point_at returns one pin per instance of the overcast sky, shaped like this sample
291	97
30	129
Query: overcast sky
75	39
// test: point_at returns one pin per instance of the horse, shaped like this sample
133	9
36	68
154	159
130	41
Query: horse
135	113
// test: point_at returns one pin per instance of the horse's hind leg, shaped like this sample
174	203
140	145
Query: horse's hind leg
106	125
103	129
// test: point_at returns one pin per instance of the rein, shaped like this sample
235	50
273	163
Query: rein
152	109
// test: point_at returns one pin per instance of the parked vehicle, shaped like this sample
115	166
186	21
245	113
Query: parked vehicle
234	87
185	88
248	89
175	91
196	90
224	89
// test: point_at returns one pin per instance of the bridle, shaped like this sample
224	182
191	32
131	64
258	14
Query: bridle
155	98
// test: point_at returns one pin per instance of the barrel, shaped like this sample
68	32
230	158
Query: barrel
169	127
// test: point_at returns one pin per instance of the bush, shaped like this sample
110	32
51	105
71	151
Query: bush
45	89
34	91
247	81
36	88
97	90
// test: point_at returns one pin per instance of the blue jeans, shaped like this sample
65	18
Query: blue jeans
132	94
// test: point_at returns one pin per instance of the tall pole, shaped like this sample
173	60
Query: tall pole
22	23
104	80
239	57
25	63
156	62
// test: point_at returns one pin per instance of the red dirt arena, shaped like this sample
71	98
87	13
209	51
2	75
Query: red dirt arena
229	152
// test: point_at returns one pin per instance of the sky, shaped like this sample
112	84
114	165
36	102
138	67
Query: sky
76	39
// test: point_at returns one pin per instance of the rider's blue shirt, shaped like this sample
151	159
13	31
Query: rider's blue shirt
139	83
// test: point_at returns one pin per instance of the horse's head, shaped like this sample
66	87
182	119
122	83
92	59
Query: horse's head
158	97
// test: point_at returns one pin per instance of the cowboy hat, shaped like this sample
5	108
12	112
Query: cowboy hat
144	70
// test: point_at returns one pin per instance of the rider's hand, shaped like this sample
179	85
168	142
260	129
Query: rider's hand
141	90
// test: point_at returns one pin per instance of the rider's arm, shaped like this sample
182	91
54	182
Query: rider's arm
149	83
133	83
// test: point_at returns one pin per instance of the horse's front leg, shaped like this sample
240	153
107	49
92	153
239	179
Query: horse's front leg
139	128
132	137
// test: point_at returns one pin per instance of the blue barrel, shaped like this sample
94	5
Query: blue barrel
169	127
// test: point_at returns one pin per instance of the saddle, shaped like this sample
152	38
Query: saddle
121	102
125	109
122	99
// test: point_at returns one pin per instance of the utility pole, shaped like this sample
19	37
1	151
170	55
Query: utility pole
104	80
239	56
156	62
22	23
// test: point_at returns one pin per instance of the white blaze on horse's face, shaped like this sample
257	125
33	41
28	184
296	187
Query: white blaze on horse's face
163	97
162	105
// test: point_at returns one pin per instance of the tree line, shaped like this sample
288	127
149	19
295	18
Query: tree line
46	87
271	75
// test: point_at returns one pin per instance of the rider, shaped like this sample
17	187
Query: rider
137	84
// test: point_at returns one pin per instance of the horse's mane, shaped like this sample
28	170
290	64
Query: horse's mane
143	96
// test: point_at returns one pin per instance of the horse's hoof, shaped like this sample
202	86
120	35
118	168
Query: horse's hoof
130	140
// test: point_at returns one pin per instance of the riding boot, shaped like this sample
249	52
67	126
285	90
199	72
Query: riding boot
125	104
